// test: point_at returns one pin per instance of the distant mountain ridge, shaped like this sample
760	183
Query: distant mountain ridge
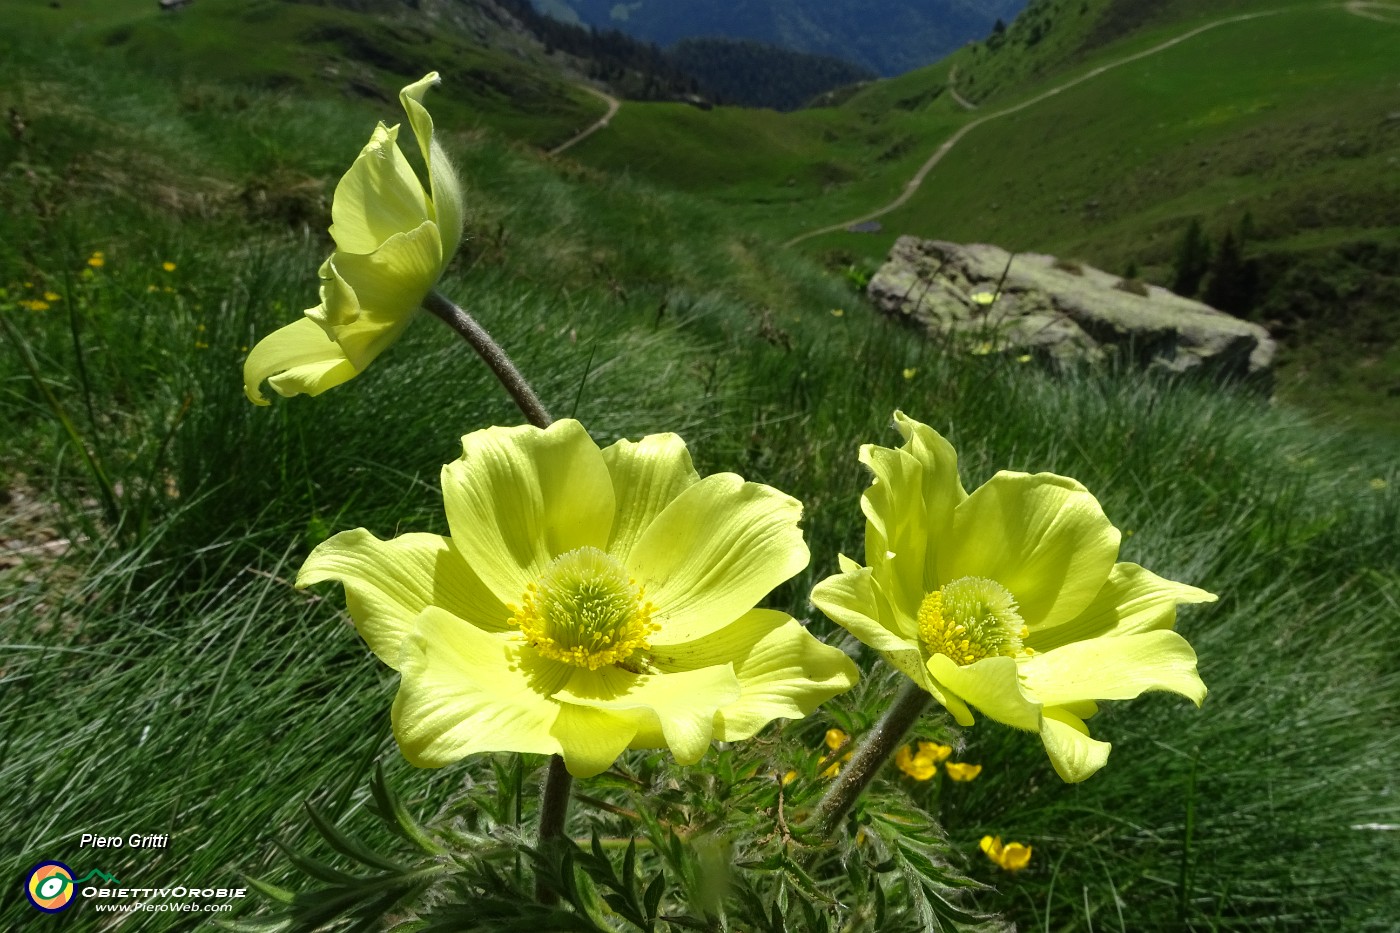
887	36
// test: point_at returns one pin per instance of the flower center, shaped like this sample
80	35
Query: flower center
585	611
969	619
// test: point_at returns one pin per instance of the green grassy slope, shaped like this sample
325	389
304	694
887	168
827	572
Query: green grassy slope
1286	118
503	83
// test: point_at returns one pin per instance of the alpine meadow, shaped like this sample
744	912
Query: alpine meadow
695	576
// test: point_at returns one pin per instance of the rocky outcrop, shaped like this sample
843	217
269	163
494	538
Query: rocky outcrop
1032	303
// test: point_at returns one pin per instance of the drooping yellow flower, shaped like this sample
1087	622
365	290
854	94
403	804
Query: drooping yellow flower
393	239
1010	857
1010	600
587	601
962	771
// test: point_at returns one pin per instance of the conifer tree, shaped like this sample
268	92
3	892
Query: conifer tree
1192	260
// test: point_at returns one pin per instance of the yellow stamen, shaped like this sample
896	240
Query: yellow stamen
969	619
586	611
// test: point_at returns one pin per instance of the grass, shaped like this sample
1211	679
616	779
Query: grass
163	677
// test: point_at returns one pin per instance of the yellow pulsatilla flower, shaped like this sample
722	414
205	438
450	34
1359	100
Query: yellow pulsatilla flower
587	601
962	771
923	764
1010	600
1010	857
392	241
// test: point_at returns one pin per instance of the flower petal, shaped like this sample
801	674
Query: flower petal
522	496
783	671
681	704
646	477
853	601
385	288
1133	600
943	490
378	197
295	359
465	690
1073	753
1114	669
590	739
389	583
1043	537
447	191
714	552
992	686
897	526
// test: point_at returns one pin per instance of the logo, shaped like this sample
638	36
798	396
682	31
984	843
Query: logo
49	887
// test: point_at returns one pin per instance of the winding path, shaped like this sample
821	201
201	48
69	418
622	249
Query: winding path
1369	9
613	105
1359	7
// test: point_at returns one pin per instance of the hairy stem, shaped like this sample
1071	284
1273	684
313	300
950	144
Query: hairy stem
873	751
554	811
490	351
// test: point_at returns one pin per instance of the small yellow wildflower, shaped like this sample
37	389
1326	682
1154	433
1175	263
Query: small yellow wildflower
983	298
1010	857
97	260
918	767
201	345
838	312
983	349
836	740
34	304
789	778
962	771
1023	358
152	288
910	372
52	296
1378	483
168	266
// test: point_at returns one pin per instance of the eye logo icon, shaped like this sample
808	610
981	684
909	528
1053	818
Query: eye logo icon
49	887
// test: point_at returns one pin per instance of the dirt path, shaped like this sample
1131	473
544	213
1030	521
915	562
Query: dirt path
1380	12
613	104
963	102
913	184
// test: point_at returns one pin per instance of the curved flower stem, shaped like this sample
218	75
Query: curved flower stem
490	351
554	809
875	748
554	802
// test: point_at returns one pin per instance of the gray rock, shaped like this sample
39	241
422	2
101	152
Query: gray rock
1063	310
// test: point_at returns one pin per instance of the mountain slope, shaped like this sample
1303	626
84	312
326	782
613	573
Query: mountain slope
887	36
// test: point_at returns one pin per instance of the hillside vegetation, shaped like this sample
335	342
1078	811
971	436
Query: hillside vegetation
160	213
1278	127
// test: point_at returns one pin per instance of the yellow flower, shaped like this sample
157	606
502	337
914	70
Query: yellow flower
1023	358
588	601
923	764
33	304
97	260
983	298
1010	857
1378	484
52	296
1010	600
838	312
168	266
789	778
392	241
962	771
835	739
910	373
